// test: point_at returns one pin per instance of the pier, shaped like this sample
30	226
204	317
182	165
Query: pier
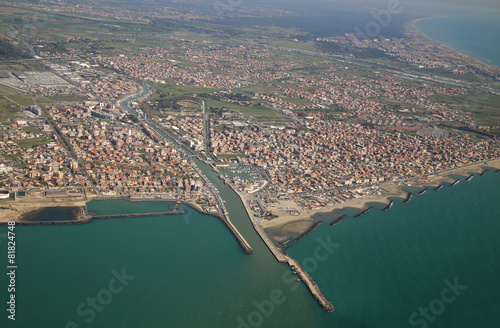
277	254
313	288
281	257
135	215
239	237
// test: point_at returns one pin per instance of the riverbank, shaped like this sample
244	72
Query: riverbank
281	257
286	225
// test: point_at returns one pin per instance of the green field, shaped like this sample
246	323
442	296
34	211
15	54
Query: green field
21	100
33	129
6	91
68	98
259	113
484	106
29	143
8	110
230	156
297	101
178	91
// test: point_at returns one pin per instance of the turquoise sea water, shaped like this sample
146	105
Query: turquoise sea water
477	36
188	271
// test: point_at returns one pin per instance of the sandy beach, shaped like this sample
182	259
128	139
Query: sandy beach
14	210
284	224
288	225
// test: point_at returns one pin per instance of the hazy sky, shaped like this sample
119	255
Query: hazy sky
471	3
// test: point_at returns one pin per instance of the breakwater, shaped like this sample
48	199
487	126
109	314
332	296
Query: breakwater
313	287
239	237
388	207
135	215
357	216
423	191
308	231
337	220
83	218
410	194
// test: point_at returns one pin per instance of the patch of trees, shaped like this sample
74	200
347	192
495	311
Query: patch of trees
10	51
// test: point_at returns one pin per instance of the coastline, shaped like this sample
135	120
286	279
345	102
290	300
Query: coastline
17	210
289	225
450	47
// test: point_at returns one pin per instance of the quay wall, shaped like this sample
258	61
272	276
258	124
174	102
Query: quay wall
239	237
274	250
304	276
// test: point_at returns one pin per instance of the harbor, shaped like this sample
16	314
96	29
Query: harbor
282	258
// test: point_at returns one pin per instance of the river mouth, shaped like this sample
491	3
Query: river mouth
53	214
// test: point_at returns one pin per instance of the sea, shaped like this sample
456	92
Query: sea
430	262
477	36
